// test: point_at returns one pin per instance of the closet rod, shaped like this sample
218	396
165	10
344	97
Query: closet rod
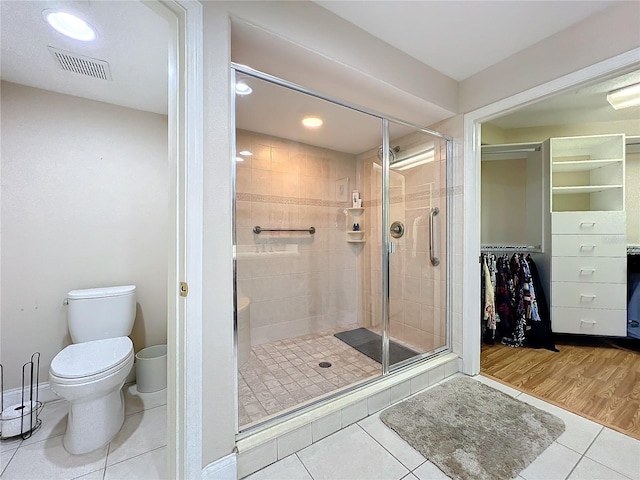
511	148
509	247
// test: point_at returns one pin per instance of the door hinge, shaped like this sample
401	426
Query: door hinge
184	289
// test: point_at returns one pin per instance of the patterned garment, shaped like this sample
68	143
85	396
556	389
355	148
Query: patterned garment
504	295
526	306
489	315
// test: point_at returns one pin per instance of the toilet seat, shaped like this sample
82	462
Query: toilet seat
90	361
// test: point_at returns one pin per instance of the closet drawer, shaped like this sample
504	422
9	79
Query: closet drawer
589	269
589	245
589	295
589	321
589	223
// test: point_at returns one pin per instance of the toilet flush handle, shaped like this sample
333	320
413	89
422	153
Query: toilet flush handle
65	301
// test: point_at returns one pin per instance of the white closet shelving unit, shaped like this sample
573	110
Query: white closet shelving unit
587	234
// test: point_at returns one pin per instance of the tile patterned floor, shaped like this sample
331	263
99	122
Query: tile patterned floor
138	451
280	375
368	450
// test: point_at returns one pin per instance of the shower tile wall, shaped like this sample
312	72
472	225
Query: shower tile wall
297	283
417	290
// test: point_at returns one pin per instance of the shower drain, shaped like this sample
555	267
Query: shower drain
324	364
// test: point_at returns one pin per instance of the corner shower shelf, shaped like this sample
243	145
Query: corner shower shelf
355	215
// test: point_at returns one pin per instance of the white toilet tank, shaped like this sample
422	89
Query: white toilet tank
99	313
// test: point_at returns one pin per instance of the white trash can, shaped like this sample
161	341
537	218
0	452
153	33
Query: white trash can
151	369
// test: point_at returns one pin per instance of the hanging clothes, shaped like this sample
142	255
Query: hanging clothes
504	297
521	299
633	295
489	308
515	317
541	335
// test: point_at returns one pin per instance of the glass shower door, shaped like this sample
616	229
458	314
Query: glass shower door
417	212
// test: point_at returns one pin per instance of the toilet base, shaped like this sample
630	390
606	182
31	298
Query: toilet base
93	423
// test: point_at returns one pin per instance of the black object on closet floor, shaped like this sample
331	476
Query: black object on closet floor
369	343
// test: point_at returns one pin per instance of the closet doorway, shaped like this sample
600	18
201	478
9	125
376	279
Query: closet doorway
542	168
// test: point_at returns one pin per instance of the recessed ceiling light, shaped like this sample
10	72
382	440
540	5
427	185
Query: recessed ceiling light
243	89
70	25
239	159
312	122
625	97
246	153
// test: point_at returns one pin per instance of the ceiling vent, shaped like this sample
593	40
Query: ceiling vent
71	62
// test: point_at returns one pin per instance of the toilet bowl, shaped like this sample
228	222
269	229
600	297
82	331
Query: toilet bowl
90	375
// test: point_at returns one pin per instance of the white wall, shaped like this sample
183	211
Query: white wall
599	37
84	204
321	36
219	388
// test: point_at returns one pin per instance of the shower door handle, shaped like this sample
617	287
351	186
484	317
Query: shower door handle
435	261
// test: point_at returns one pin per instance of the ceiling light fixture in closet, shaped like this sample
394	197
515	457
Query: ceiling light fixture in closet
625	97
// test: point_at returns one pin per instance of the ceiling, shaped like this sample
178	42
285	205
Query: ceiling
461	38
344	130
134	41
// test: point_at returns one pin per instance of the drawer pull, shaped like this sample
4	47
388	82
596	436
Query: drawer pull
587	247
587	271
587	224
588	297
589	322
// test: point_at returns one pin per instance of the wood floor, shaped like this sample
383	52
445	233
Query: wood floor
594	378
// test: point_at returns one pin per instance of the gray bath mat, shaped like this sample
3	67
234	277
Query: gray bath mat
472	431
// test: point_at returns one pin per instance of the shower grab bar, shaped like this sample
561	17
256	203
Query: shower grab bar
259	230
435	261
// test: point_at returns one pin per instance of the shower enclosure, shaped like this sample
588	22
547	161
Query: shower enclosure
331	292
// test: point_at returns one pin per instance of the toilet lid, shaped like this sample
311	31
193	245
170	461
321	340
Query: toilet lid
91	358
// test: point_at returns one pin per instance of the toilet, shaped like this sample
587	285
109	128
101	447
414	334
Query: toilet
90	372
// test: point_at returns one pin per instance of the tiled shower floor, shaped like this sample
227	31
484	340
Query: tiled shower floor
283	374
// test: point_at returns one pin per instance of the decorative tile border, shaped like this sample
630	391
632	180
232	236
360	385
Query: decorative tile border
313	202
310	202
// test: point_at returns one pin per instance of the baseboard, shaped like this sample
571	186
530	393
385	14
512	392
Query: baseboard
225	468
45	394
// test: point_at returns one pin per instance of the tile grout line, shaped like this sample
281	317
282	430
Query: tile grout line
135	456
145	409
396	458
584	453
302	463
106	459
7	465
